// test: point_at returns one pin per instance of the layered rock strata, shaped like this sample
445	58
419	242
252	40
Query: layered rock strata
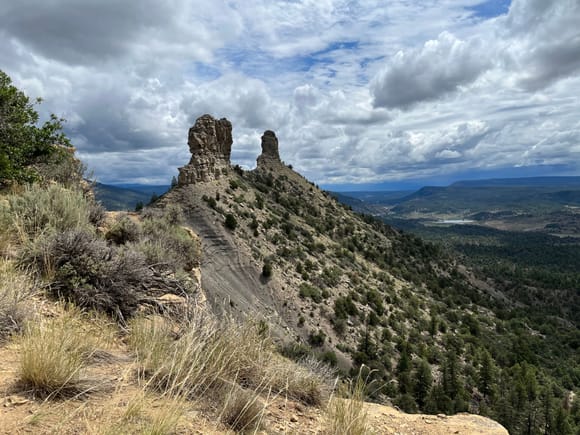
210	143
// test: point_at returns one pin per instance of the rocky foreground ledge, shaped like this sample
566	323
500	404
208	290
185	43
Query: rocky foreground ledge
387	420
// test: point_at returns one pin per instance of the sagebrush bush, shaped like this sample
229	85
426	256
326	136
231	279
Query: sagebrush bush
88	272
123	231
48	209
7	234
167	245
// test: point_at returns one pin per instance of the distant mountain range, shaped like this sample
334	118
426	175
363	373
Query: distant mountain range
126	196
468	196
520	195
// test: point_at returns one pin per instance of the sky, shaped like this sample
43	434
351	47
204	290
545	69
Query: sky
362	94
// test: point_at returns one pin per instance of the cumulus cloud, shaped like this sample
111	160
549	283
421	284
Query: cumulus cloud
544	41
476	92
438	68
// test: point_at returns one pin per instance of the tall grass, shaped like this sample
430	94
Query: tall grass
228	364
15	288
346	415
205	358
54	352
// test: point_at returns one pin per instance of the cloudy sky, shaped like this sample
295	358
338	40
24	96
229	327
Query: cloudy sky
360	93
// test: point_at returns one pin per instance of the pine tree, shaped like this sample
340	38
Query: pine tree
452	384
561	422
423	383
487	375
547	408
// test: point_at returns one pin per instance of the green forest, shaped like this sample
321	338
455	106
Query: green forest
528	367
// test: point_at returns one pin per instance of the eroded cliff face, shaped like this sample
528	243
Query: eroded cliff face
210	142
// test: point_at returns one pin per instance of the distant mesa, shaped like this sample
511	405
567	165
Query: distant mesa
210	143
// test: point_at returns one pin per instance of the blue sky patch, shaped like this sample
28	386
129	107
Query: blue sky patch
490	8
204	71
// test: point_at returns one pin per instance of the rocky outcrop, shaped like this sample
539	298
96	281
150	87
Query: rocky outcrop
270	156
210	143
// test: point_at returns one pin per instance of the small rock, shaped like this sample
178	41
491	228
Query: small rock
294	419
441	416
14	401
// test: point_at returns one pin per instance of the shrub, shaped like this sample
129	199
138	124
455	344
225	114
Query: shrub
267	269
51	209
62	167
97	213
173	214
123	231
231	223
316	339
309	291
89	273
329	358
169	246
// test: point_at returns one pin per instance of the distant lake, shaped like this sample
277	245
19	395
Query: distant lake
455	221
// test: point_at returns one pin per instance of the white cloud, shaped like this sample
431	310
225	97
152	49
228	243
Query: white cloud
441	66
476	92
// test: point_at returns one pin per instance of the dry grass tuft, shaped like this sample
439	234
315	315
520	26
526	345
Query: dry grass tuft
15	288
151	340
205	357
308	381
347	415
54	352
242	410
228	364
164	419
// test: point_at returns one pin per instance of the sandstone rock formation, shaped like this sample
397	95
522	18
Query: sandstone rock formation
270	156
210	143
